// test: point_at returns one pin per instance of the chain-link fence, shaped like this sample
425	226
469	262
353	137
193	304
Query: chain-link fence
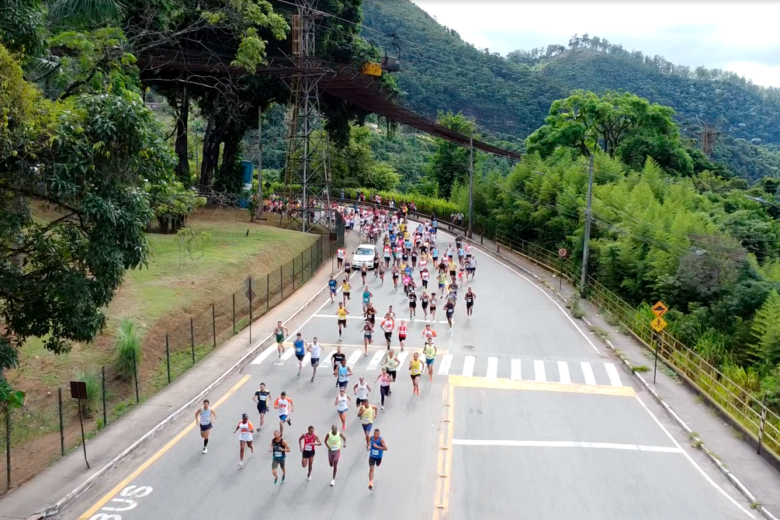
40	433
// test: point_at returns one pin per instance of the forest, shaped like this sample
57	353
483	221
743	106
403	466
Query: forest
509	96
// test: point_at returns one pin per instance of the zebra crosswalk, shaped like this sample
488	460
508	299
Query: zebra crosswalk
567	372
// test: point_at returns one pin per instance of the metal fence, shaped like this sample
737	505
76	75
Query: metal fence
47	427
749	412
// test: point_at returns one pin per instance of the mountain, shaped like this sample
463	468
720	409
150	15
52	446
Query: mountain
510	96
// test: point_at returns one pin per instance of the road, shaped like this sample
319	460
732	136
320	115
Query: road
527	417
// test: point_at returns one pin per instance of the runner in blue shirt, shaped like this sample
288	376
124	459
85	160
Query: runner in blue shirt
333	286
377	448
300	346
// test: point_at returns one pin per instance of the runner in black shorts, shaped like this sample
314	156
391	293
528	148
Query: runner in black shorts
412	304
470	297
261	398
306	443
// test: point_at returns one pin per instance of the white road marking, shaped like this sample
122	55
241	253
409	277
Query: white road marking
287	355
614	377
446	363
517	374
264	354
327	359
563	372
492	371
587	371
361	318
353	358
468	366
539	374
374	363
567	444
402	357
306	359
690	459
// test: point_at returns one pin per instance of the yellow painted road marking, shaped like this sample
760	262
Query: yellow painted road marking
444	463
510	384
119	487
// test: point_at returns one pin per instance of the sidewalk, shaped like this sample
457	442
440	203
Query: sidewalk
69	477
749	472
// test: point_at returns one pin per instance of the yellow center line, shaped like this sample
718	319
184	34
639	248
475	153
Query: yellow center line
510	384
119	487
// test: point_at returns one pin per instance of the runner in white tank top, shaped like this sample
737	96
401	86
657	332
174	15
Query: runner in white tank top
361	390
342	406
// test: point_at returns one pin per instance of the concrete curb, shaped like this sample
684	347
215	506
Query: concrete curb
92	480
692	435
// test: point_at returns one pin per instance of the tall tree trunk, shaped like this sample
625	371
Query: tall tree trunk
181	147
210	154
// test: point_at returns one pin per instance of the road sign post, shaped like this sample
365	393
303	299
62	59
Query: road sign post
78	390
658	325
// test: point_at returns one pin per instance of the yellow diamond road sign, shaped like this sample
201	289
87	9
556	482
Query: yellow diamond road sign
659	309
658	324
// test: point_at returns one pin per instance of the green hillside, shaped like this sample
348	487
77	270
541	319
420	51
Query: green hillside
510	96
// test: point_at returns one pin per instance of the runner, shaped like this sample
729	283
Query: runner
442	277
363	272
342	373
472	267
378	448
429	351
361	391
425	276
452	268
333	285
334	440
449	311
384	385
415	367
315	349
367	412
337	357
391	365
425	299
280	331
348	269
261	398
280	449
402	332
368	329
345	288
381	270
433	307
371	314
341	314
342	406
205	419
388	325
396	274
244	428
366	299
428	332
300	346
470	297
306	443
284	406
340	257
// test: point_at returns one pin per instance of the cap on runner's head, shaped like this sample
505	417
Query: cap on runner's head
244	416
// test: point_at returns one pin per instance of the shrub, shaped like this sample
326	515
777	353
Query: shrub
128	348
92	378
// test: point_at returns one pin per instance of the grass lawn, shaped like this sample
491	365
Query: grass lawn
174	283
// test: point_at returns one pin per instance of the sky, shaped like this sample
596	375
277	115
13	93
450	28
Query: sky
740	36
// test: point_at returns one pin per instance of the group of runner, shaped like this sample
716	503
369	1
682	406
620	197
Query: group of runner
403	251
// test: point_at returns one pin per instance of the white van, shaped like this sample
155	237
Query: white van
364	254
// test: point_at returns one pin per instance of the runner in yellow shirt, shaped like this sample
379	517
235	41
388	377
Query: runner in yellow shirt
342	312
416	368
429	351
345	288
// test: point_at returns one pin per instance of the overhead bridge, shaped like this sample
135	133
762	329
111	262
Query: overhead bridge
344	82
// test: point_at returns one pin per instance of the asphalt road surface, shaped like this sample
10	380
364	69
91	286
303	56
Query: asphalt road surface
526	417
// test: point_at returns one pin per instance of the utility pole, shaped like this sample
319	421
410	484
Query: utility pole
471	188
588	211
259	208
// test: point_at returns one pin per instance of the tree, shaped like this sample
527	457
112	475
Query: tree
355	166
766	328
450	162
621	124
